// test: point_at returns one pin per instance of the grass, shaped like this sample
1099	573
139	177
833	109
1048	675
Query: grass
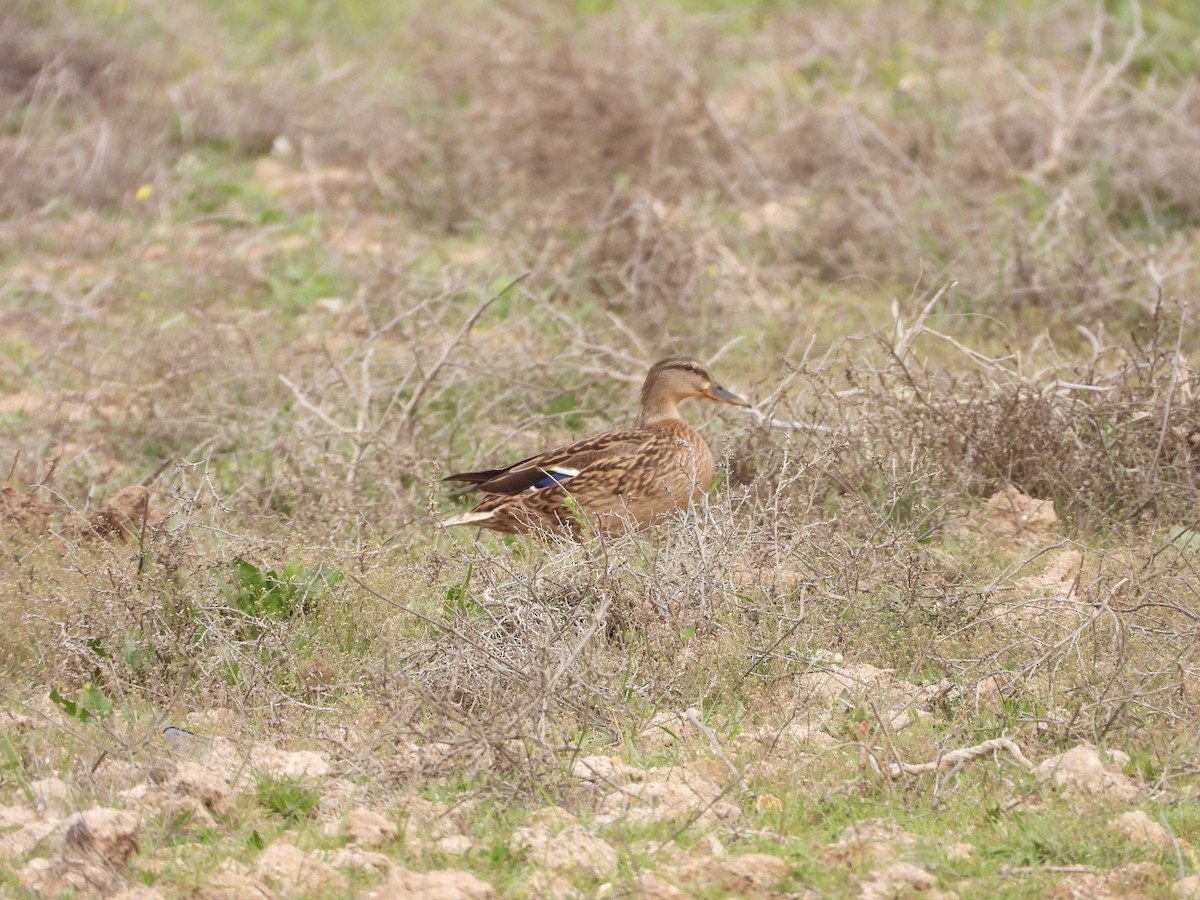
291	264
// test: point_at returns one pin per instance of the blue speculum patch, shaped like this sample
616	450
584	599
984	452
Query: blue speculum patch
554	477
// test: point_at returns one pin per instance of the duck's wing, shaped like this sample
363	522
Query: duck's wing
556	466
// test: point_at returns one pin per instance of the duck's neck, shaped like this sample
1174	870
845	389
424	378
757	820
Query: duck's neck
658	409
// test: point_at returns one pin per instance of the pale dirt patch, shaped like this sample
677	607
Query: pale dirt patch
1080	772
108	404
289	763
1062	576
1054	595
321	184
664	729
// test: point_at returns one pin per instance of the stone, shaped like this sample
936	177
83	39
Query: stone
1141	829
444	885
896	880
294	872
365	827
1081	773
742	875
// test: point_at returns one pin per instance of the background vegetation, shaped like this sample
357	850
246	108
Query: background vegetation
289	263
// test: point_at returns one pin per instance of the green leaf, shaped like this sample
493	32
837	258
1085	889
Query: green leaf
69	706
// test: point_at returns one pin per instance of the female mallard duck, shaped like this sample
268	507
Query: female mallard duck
631	476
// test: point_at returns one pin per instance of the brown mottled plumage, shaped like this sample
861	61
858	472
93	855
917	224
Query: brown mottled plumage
630	476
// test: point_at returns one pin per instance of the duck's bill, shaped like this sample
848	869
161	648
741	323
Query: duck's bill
718	393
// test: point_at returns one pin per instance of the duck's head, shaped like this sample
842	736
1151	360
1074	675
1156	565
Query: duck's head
677	378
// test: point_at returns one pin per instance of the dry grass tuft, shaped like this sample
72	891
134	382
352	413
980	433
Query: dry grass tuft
78	113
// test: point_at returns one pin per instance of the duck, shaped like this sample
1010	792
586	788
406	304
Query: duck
606	483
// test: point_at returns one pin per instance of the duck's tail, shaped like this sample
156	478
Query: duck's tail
470	518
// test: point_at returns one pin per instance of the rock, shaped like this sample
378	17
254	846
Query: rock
141	892
960	852
743	875
454	844
552	886
1015	518
233	882
830	684
1081	773
1141	829
664	729
94	856
193	795
605	770
288	763
896	880
649	886
870	841
293	871
709	845
105	836
1187	887
445	885
204	785
671	793
365	827
989	691
431	824
573	849
1136	881
353	857
35	830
